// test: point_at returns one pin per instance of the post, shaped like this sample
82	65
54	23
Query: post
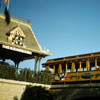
47	68
73	67
88	65
66	67
80	65
39	64
95	63
25	75
53	69
8	5
60	68
36	60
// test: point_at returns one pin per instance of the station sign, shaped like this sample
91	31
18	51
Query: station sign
16	49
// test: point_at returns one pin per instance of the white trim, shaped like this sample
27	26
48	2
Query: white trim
32	50
17	29
16	49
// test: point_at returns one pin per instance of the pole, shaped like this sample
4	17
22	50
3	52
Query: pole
8	5
39	64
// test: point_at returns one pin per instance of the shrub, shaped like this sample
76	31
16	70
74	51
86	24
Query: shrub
36	93
7	71
43	77
11	72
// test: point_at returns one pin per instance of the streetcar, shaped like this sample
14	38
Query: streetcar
81	68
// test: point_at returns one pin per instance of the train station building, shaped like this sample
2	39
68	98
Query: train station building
18	42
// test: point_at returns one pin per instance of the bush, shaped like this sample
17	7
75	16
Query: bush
7	71
43	77
11	72
36	93
26	75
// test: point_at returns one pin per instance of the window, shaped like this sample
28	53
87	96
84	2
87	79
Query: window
16	36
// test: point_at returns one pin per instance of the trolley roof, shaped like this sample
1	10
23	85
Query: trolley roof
75	58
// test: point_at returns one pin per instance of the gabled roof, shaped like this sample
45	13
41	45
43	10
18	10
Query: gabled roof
16	27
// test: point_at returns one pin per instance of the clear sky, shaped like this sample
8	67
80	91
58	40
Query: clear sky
65	27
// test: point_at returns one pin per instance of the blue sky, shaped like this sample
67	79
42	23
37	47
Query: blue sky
65	27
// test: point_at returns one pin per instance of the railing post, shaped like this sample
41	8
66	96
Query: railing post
25	74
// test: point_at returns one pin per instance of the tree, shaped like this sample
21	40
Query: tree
25	75
7	71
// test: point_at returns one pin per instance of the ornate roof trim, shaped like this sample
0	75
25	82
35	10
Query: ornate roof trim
19	31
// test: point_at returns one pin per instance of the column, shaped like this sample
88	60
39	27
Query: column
73	67
36	60
66	67
60	68
95	63
53	69
39	64
80	65
47	68
87	65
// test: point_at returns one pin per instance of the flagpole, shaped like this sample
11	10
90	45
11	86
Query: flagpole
8	4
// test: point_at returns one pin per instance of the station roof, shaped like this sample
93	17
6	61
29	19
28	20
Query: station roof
18	39
76	58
